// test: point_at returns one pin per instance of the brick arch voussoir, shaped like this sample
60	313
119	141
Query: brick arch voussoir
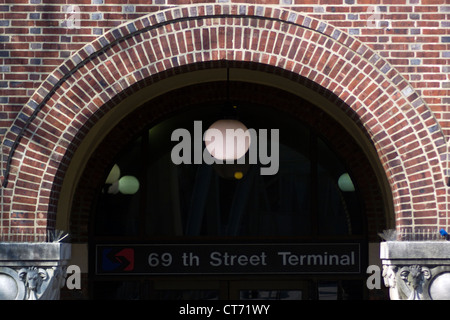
125	57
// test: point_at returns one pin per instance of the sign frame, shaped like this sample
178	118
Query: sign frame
228	259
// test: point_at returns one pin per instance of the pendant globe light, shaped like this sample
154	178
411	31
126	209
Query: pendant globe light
345	183
228	140
128	185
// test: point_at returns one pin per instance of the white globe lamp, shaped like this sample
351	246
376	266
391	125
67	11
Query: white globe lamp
345	183
227	139
128	185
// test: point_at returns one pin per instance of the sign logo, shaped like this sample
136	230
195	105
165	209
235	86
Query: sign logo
118	260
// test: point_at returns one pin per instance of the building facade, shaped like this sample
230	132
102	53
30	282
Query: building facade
92	92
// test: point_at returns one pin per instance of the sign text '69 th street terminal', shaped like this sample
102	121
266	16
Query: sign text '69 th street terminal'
228	258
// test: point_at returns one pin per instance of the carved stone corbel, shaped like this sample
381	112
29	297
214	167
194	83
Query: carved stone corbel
42	283
416	270
33	271
413	282
33	278
390	281
57	279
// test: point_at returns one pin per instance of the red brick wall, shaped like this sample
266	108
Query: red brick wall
389	69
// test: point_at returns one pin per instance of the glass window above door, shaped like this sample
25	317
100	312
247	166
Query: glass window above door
147	194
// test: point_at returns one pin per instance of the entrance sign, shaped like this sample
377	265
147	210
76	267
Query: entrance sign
189	259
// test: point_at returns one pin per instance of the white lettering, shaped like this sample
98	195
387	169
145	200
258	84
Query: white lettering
196	310
235	139
258	309
183	147
245	309
316	259
289	259
74	280
226	259
374	280
264	158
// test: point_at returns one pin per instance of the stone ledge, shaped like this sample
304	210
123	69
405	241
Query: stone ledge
427	252
34	254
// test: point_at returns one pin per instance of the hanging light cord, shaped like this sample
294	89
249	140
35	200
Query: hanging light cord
230	110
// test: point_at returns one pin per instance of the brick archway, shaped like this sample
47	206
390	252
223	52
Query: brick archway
42	140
